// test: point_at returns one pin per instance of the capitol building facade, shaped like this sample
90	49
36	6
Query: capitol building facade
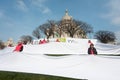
66	28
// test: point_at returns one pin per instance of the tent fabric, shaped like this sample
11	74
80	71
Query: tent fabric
78	65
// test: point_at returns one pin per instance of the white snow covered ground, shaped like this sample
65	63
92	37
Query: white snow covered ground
78	65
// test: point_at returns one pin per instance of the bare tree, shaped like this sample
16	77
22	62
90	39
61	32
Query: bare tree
74	26
47	28
2	46
26	39
84	26
105	36
69	27
72	29
36	33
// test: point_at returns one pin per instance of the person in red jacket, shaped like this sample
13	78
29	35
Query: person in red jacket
19	47
44	41
92	50
40	42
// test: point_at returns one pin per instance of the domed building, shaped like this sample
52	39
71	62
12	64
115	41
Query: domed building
66	20
66	17
67	28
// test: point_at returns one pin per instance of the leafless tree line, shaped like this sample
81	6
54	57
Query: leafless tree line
81	28
71	28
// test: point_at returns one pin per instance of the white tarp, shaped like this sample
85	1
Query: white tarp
73	66
71	46
33	60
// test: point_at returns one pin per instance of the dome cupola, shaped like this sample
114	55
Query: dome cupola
66	16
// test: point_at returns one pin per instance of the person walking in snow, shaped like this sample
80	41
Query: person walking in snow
92	50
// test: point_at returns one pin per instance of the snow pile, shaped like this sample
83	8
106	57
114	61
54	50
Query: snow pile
33	60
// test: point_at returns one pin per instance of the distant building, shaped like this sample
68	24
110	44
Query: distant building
9	43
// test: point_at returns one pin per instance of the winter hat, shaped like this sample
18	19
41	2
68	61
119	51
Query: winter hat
92	44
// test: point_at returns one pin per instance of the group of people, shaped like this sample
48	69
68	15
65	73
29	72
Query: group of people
43	41
91	50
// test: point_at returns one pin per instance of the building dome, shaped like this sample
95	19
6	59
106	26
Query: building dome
66	16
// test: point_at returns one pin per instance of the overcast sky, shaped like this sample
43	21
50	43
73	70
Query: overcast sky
21	17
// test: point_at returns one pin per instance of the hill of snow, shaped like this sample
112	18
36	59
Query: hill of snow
77	65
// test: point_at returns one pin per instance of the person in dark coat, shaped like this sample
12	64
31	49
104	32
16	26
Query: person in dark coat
92	50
